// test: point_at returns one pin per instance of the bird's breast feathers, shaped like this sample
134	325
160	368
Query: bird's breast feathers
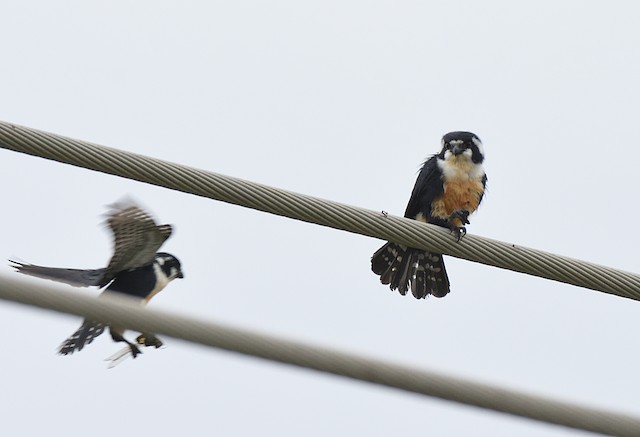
463	186
460	168
161	281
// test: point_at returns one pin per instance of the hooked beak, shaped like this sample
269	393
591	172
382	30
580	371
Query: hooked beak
180	275
458	149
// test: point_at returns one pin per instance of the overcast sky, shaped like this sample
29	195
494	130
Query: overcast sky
341	100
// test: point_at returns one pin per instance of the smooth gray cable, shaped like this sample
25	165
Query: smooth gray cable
124	312
319	211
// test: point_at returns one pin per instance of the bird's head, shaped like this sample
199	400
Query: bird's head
462	144
169	265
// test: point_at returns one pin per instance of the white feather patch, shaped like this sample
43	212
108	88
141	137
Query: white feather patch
460	168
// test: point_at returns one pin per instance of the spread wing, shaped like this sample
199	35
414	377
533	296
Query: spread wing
136	239
75	277
427	188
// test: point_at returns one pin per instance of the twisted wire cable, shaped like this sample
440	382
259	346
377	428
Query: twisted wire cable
124	312
314	210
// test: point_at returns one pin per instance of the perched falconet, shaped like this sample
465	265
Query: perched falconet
448	190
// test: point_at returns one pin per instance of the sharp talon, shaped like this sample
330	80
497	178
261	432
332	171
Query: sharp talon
459	232
463	216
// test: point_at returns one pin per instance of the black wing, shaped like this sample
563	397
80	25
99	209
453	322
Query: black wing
428	187
75	277
136	239
484	187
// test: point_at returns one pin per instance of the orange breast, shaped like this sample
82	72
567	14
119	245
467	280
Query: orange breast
457	195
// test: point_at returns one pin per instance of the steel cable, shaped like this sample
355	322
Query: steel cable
124	312
319	211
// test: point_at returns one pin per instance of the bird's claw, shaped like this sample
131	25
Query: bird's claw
149	340
134	350
459	232
462	215
457	220
131	350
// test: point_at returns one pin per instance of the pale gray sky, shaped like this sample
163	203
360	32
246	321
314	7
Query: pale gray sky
341	100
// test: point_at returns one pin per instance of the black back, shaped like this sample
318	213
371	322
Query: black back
137	283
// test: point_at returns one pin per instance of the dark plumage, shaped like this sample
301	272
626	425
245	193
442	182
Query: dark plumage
449	188
136	269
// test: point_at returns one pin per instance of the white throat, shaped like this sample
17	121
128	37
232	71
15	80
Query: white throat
460	167
161	281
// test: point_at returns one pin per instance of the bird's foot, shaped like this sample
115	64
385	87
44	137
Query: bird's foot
457	220
459	232
134	350
149	340
462	215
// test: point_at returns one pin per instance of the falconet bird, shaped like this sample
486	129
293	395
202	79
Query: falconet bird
136	269
448	190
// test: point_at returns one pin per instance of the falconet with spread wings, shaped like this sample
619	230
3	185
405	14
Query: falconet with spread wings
136	269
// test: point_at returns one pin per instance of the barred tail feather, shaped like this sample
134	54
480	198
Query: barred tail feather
428	275
84	335
387	262
405	268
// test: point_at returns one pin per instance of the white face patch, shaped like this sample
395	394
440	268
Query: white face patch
160	260
174	273
478	144
461	167
161	281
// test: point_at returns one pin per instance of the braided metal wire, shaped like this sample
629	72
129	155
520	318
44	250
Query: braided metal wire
124	312
338	216
319	211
